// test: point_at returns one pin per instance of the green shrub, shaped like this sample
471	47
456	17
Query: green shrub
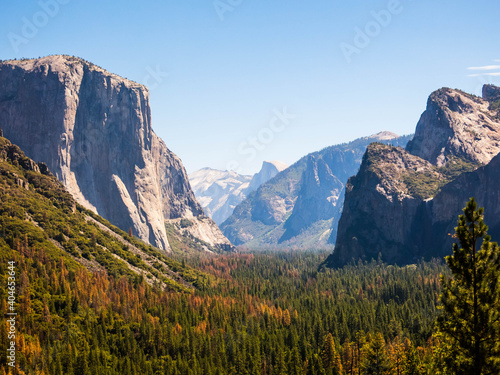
186	223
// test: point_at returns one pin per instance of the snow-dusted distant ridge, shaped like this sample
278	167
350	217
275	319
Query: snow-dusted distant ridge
219	192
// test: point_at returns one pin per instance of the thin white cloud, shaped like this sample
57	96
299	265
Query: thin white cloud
493	74
486	67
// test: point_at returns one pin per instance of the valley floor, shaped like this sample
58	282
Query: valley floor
259	313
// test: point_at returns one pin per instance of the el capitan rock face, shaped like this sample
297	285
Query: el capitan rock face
402	204
93	130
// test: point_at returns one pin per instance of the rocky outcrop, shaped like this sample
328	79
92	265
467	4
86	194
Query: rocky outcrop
409	228
300	207
93	130
402	203
491	93
456	124
380	212
318	198
484	185
219	192
15	155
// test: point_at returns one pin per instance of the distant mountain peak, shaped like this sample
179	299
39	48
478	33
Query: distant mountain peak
219	192
280	166
301	205
269	170
384	135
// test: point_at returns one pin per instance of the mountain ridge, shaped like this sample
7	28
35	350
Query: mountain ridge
37	209
261	219
219	192
397	208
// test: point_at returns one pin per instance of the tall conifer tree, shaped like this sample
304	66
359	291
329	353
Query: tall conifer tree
470	302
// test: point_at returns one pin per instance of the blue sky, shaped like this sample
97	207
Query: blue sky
236	82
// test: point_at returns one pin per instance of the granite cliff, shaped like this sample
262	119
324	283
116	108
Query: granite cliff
457	124
268	170
402	204
93	130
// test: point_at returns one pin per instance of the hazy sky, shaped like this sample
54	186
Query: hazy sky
236	82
